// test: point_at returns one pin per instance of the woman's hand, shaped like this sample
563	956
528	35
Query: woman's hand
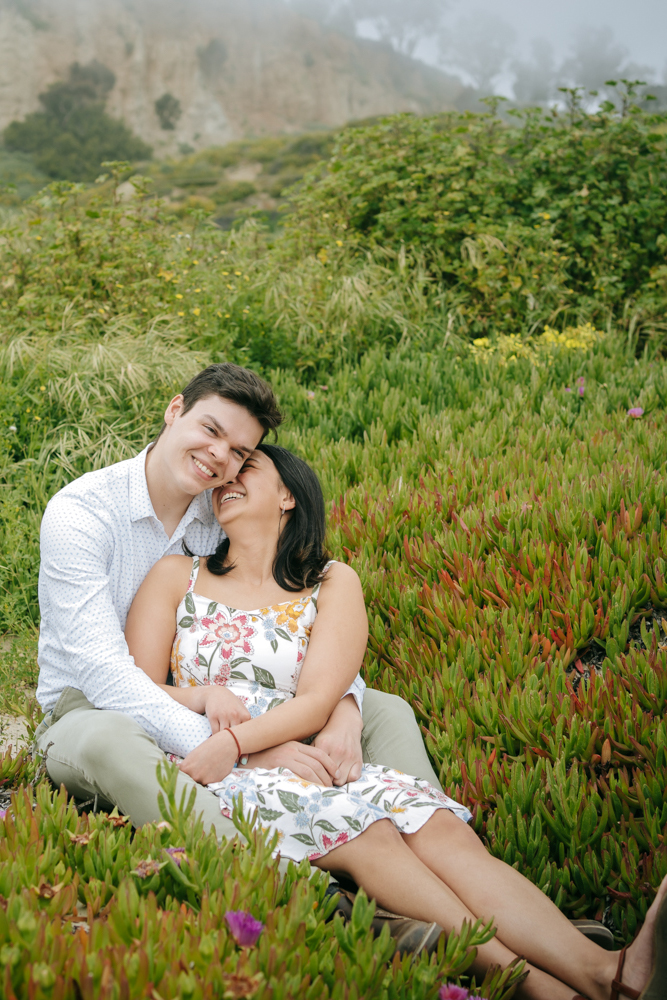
212	760
223	708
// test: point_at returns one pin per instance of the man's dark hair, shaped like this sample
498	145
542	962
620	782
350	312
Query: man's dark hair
300	556
240	386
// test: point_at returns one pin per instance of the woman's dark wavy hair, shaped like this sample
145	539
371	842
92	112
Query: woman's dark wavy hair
300	556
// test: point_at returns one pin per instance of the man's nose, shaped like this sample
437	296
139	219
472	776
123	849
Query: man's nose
220	452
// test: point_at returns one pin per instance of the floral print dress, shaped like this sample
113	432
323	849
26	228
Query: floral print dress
258	655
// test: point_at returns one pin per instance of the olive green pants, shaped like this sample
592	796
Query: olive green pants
108	755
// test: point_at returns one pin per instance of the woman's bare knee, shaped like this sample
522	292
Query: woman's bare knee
445	829
351	858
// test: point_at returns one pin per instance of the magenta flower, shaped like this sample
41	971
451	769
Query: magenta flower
635	412
3	813
580	390
177	854
245	929
450	991
567	389
581	380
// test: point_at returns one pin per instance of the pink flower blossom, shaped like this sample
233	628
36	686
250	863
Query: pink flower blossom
245	929
636	412
177	854
567	389
450	991
3	813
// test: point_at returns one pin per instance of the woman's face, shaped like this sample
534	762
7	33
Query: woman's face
257	494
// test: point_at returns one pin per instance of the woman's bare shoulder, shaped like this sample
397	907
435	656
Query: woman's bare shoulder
340	576
171	570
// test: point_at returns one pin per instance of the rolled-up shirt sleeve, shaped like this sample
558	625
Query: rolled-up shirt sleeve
356	689
82	629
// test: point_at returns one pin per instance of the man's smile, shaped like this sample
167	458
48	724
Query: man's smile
204	468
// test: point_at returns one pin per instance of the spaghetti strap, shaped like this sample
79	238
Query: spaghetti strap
193	574
316	588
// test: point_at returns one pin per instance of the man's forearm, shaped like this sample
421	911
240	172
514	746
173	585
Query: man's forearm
345	717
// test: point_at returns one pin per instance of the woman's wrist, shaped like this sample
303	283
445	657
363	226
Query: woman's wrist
242	758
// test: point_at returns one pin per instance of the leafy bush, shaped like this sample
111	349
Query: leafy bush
233	191
73	135
561	215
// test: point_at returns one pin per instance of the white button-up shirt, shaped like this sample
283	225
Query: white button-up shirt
99	538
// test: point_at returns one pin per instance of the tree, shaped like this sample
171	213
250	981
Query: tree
168	109
71	137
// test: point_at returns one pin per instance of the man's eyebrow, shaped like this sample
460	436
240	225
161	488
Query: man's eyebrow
221	430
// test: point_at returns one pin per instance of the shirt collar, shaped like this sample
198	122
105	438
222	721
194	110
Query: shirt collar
200	509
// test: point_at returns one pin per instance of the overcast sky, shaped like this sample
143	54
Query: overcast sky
640	26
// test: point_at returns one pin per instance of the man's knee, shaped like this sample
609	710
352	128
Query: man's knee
90	751
110	736
380	703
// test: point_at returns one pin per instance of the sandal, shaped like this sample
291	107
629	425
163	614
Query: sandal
656	987
618	989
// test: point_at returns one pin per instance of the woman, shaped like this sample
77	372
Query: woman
248	671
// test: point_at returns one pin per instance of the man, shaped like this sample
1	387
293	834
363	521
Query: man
106	723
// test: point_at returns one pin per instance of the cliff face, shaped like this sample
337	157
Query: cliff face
238	67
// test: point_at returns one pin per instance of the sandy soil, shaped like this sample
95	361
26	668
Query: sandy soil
12	730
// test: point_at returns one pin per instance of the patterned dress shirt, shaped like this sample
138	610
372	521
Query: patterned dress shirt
99	538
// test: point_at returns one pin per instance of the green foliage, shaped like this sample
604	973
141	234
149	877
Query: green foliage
73	135
168	109
505	514
560	214
89	908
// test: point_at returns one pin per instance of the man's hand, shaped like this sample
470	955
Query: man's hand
223	708
341	741
212	760
309	763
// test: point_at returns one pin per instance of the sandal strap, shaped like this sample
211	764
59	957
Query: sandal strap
618	988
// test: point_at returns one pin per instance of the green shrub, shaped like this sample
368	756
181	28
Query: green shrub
232	191
73	135
559	215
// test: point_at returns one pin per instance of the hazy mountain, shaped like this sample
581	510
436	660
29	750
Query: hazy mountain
235	67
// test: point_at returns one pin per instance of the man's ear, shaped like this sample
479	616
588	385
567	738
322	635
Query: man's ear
175	409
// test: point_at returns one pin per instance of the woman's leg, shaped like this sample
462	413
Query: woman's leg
528	923
380	861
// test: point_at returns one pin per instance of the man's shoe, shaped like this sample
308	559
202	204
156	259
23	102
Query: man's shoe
596	932
411	936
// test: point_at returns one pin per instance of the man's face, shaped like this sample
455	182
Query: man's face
207	446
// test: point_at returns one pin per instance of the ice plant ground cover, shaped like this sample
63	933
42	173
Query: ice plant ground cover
510	536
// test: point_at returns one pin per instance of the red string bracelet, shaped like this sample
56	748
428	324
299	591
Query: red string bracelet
238	745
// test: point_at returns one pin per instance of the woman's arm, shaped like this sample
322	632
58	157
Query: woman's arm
150	630
151	626
335	652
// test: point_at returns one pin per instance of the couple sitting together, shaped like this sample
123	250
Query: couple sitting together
229	658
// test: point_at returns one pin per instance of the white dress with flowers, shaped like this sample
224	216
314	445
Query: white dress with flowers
258	655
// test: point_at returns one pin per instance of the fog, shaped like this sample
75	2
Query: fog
521	49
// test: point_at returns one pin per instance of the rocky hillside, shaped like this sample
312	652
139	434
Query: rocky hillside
237	67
